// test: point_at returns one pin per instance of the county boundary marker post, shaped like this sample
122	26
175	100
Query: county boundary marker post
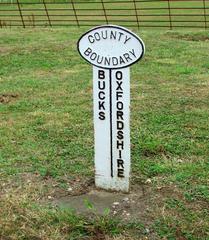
111	50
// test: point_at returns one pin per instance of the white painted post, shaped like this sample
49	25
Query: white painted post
111	49
111	128
101	96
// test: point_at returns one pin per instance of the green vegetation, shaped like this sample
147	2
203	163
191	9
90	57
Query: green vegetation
47	135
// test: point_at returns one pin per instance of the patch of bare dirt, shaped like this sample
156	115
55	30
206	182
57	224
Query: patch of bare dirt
195	38
6	50
137	205
74	187
191	37
7	97
145	203
5	238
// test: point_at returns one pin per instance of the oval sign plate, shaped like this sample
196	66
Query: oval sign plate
111	47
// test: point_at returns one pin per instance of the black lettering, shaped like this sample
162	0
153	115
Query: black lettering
119	75
120	35
119	95
120	145
97	36
101	115
120	135
93	56
119	105
88	51
133	53
121	173
104	36
101	74
101	105
114	61
120	153
113	35
120	163
99	59
119	86
91	39
127	39
120	125
107	61
120	115
100	95
127	57
101	87
122	60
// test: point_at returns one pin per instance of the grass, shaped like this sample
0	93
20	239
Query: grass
47	135
150	14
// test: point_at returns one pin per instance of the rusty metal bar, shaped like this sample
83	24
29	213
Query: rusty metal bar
96	2
169	12
47	13
136	13
118	20
131	25
75	14
85	14
104	10
20	11
110	9
118	15
205	14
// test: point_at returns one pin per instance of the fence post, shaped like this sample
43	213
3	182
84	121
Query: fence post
169	12
205	15
47	13
136	13
20	11
104	10
74	10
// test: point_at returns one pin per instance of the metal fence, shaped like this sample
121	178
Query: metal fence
133	13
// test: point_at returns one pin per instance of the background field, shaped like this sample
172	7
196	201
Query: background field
133	13
46	143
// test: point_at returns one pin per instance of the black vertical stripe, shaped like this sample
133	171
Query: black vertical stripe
111	144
